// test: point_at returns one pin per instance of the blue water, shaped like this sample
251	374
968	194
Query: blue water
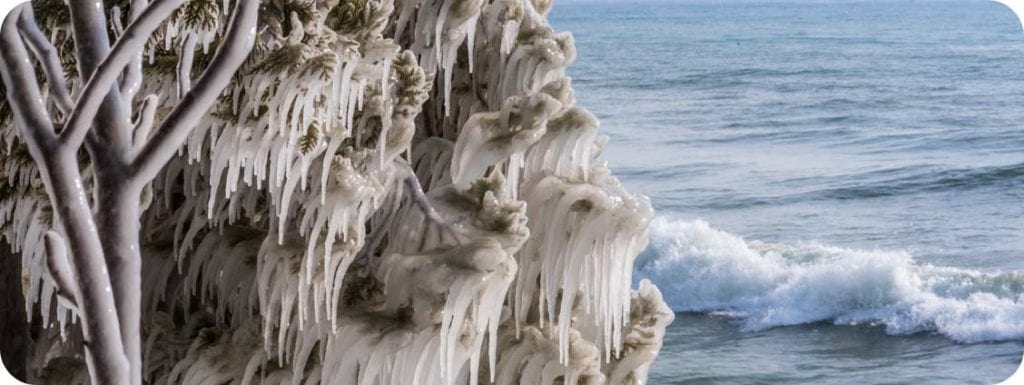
839	185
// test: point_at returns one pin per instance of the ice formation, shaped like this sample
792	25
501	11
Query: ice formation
389	192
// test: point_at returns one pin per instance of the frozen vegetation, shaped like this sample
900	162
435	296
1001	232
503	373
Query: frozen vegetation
383	192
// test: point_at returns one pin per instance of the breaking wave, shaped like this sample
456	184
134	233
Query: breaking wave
765	285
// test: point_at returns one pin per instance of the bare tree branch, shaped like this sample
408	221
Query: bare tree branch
115	17
419	198
110	147
47	56
127	47
145	123
131	82
27	102
105	353
109	141
412	185
175	128
59	170
120	189
60	270
108	267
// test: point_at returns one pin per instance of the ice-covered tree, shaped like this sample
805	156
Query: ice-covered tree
349	192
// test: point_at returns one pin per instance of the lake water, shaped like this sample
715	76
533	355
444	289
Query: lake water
839	185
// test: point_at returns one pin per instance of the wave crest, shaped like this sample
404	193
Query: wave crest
702	269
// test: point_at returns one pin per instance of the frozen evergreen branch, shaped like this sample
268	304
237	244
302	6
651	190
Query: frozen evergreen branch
351	191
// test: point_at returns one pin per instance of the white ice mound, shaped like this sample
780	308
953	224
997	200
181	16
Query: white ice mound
766	285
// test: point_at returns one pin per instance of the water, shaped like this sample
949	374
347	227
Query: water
839	185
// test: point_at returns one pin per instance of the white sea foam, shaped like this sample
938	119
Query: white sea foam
765	285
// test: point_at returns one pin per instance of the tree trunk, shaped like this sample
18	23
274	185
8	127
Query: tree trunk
103	345
120	225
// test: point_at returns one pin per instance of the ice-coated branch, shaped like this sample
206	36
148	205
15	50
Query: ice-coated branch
101	108
60	270
108	139
60	174
115	18
127	47
27	103
145	123
420	199
131	82
47	56
233	51
374	277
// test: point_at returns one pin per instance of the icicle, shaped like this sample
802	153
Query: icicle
386	117
588	212
471	39
261	271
